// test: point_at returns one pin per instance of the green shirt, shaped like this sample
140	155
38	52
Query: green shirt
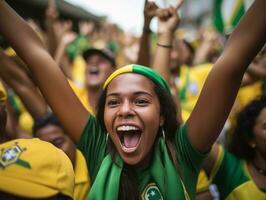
93	145
233	180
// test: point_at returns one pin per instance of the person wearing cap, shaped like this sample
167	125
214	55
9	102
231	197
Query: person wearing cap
100	63
34	169
46	126
134	147
49	129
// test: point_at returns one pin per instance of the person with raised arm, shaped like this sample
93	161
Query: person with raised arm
134	147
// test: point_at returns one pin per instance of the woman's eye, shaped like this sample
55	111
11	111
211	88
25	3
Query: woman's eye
141	102
112	103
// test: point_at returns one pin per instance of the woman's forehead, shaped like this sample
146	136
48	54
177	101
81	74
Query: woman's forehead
131	81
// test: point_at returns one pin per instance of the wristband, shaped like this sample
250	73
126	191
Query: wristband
165	46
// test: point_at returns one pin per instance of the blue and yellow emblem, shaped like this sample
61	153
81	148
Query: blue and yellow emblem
11	155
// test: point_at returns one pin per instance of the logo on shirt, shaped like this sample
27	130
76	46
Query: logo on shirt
11	155
152	192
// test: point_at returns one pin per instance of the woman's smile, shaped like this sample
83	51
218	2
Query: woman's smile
130	137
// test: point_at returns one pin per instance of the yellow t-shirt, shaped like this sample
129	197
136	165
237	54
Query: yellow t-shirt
190	83
26	122
82	94
82	178
78	71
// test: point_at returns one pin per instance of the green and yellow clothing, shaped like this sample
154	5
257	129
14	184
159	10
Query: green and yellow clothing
233	179
82	178
158	180
189	83
203	182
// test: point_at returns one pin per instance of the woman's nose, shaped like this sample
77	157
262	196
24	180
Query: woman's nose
126	109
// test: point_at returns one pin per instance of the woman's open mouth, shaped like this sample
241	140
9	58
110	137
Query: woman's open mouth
129	136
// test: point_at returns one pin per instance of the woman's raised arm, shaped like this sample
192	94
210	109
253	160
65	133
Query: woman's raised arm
50	79
221	87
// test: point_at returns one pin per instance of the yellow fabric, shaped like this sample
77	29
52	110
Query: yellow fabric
234	11
243	190
197	77
247	191
10	52
26	121
82	94
116	73
78	70
82	178
217	163
248	93
203	183
35	169
245	95
3	94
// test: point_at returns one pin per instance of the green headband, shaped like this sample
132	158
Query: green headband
139	69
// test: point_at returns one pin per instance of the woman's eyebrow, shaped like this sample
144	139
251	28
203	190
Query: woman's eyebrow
134	93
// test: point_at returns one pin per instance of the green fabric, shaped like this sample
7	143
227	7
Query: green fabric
164	173
189	160
151	74
224	25
234	181
183	90
238	15
107	185
218	21
162	169
93	146
140	69
77	46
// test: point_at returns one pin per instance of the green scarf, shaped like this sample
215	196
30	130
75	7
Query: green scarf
163	172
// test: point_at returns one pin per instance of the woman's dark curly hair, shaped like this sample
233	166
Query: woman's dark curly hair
243	132
128	187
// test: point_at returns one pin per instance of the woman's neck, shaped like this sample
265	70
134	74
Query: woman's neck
259	161
257	170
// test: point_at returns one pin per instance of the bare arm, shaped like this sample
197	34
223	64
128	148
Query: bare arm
61	57
223	82
144	54
51	16
17	79
167	23
210	38
47	74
